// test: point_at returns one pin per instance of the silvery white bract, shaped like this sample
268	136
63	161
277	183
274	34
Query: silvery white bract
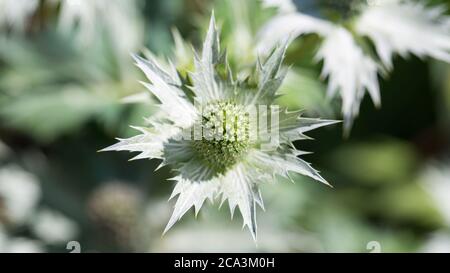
230	167
14	13
394	27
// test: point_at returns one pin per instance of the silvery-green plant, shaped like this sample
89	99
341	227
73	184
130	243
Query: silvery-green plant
205	131
393	26
66	84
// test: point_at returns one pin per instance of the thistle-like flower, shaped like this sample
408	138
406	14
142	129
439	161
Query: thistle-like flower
394	26
207	131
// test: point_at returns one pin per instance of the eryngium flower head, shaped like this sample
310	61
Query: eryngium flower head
206	131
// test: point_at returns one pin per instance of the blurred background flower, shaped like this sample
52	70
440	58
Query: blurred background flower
350	61
65	72
14	14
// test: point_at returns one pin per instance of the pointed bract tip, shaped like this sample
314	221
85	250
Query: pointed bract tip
254	236
109	148
326	182
332	121
346	130
377	104
212	21
132	54
136	58
164	232
168	227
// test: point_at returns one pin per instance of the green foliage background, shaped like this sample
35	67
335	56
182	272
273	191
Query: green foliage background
60	103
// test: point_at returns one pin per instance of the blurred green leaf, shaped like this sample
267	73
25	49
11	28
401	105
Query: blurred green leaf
46	115
377	162
301	89
407	204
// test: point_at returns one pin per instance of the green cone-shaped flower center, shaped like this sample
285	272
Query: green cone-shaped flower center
225	135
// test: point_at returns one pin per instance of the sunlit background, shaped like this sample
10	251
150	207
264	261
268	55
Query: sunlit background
68	87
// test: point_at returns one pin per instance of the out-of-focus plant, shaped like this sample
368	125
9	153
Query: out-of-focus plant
19	194
115	209
26	226
119	20
438	242
74	73
356	46
436	181
14	14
